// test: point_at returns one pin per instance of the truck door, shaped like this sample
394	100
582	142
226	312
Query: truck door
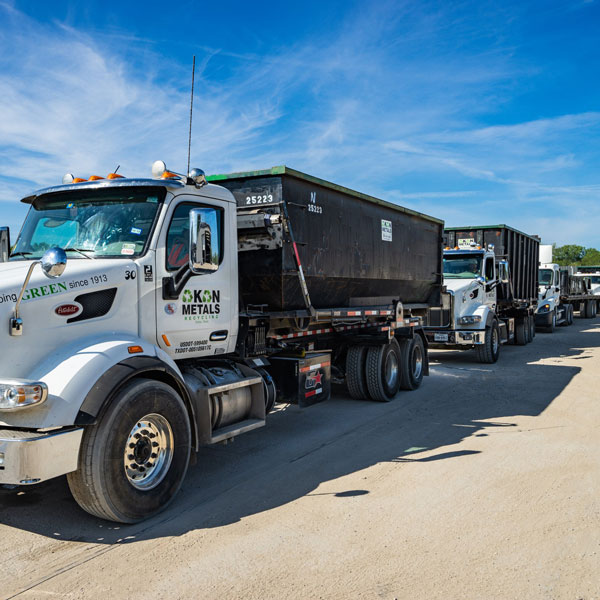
198	321
489	273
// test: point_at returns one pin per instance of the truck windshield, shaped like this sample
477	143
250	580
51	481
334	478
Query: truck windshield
462	266
595	279
546	276
106	223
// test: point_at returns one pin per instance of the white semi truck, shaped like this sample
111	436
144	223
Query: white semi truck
145	318
490	273
592	274
561	293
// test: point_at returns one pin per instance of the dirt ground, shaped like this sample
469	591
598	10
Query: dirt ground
483	484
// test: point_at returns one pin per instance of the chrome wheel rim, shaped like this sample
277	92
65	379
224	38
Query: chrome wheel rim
391	370
148	452
417	362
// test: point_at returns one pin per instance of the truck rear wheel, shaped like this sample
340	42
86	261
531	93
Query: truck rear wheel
413	362
531	327
489	351
521	332
133	460
269	389
527	327
356	379
383	371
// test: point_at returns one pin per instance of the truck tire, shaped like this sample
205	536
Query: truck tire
383	371
531	327
356	380
527	329
570	317
412	351
269	388
489	351
552	325
520	332
133	460
593	309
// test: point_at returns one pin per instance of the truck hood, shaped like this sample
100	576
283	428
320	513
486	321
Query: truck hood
464	303
58	311
457	286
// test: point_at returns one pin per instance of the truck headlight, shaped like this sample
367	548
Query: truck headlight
21	394
469	320
544	308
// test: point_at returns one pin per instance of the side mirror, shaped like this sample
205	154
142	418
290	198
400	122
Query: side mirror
202	259
4	244
503	271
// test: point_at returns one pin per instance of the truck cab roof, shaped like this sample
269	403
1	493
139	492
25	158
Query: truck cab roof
173	185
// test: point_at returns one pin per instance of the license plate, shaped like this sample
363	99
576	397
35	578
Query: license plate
440	337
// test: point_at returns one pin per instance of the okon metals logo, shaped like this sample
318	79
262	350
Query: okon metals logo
201	305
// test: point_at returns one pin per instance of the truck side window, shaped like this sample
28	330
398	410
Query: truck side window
178	235
489	269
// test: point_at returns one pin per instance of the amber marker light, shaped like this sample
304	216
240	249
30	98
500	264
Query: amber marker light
115	176
135	349
166	340
95	178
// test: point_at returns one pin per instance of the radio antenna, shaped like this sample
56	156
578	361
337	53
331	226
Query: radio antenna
191	110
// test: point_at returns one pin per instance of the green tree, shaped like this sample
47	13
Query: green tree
591	257
570	254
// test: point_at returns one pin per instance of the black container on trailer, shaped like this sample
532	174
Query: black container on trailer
521	250
355	250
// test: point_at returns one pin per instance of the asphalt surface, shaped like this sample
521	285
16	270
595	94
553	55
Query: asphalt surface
484	483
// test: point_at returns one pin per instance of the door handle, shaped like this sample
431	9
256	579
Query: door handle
219	336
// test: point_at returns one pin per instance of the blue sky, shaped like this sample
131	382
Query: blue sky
475	112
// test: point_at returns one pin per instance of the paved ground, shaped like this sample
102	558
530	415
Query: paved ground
483	484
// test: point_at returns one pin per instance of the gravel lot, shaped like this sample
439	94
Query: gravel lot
483	484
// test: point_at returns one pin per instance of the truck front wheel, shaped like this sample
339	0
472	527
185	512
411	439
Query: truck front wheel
489	351
133	460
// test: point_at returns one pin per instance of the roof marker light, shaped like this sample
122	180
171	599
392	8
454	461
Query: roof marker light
95	178
79	180
114	176
158	168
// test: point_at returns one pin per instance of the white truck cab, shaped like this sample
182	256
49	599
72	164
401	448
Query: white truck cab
472	275
561	292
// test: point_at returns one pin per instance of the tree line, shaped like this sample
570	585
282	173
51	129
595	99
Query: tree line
571	254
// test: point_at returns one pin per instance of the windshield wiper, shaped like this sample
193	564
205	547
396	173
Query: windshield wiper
20	254
80	250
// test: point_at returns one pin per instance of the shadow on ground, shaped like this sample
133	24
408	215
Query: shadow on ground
301	449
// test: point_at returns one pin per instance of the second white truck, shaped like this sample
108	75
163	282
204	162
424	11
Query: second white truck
561	293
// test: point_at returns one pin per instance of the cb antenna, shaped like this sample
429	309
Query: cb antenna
191	110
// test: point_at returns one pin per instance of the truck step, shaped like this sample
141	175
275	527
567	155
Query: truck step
225	433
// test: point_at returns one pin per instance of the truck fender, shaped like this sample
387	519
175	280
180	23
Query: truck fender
160	367
491	316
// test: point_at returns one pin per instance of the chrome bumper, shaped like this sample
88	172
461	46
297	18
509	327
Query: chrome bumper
455	337
29	457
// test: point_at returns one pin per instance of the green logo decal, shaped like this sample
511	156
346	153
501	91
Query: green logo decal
201	305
